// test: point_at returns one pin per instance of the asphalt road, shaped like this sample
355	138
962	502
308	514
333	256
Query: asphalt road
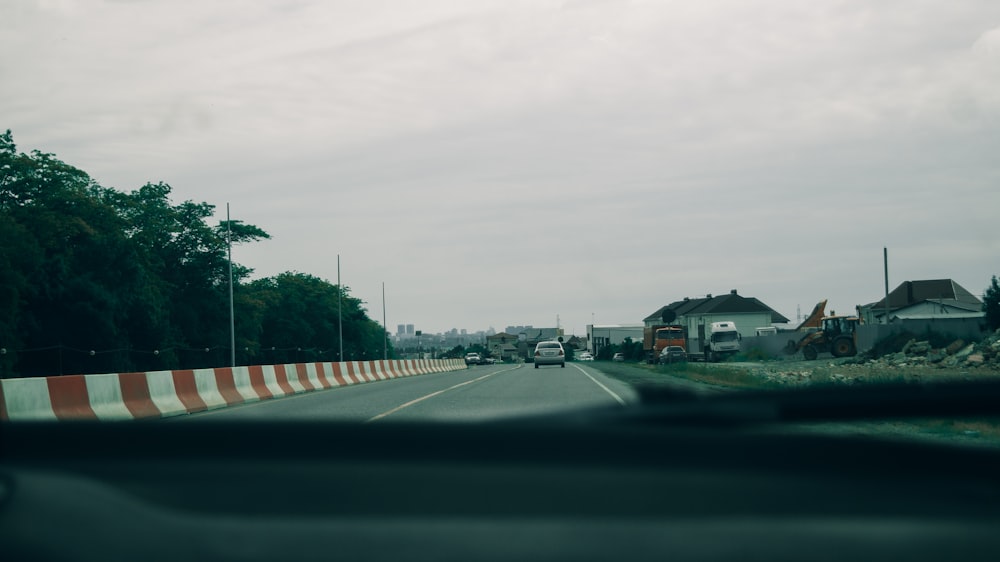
477	394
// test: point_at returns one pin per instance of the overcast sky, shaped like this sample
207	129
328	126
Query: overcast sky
504	162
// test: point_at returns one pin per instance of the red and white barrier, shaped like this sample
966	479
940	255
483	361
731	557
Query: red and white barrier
120	396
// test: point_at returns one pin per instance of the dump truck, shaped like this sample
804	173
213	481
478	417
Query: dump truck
657	337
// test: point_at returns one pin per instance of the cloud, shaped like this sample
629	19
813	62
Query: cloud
666	149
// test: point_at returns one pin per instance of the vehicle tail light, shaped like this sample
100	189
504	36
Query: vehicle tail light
538	353
561	352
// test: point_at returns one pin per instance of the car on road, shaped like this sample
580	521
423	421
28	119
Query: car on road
473	359
585	356
550	353
672	354
618	357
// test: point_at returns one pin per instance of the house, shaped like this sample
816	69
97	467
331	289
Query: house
576	342
924	300
697	316
502	345
526	338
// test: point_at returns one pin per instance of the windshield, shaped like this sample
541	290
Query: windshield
725	336
225	204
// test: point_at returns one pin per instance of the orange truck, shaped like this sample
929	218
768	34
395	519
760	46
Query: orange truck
655	338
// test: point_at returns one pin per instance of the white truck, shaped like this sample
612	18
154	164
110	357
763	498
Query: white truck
723	341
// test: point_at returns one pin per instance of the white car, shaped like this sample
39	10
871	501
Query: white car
550	353
585	356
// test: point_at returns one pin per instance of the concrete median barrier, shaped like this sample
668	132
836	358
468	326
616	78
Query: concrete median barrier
158	394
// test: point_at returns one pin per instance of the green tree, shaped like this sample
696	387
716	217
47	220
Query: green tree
69	243
96	280
83	268
991	304
299	318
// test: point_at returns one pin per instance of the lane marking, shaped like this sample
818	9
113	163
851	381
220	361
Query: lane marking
433	394
598	383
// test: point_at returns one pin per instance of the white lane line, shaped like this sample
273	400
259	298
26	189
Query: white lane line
598	383
433	394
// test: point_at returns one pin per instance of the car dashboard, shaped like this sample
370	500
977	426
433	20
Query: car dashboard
608	488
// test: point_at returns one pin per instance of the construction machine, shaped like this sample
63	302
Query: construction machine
836	334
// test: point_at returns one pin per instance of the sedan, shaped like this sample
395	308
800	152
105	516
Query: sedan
550	353
673	354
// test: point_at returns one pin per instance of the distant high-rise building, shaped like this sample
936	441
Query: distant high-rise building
400	329
409	330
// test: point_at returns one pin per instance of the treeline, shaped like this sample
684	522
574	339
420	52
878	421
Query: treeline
93	280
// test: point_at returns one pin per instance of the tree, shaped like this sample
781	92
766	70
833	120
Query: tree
991	304
94	280
299	316
85	268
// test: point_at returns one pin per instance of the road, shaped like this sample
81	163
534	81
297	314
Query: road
480	393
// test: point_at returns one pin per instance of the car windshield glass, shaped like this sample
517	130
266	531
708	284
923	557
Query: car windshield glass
206	210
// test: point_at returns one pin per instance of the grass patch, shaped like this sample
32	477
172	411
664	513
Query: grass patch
982	431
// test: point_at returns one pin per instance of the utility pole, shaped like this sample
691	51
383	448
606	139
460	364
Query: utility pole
232	314
385	328
885	265
340	311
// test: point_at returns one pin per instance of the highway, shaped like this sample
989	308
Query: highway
480	393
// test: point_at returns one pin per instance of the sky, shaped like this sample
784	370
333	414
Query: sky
507	162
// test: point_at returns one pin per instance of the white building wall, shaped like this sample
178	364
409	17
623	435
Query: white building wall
746	323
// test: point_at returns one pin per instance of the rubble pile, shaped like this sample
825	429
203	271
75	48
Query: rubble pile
984	354
916	360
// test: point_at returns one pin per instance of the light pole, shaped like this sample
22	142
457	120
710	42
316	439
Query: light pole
232	314
385	328
340	313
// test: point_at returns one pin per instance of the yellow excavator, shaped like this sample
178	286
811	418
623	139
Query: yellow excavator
835	334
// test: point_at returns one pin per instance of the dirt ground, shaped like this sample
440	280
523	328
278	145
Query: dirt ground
959	431
829	370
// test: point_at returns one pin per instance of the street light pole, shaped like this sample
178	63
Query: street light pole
385	328
232	314
340	311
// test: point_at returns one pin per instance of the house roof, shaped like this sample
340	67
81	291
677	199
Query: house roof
502	335
912	292
536	334
729	303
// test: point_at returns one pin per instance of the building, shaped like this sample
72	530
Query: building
697	315
924	300
502	345
576	342
602	335
939	306
528	336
